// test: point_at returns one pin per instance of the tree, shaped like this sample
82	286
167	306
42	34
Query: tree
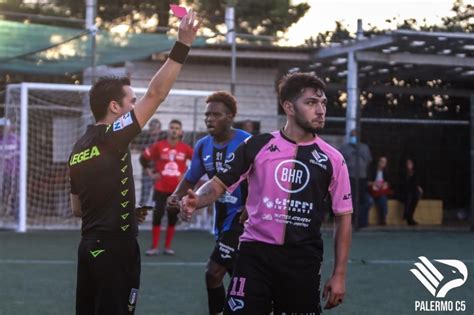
427	106
65	8
463	19
263	17
339	34
109	12
136	13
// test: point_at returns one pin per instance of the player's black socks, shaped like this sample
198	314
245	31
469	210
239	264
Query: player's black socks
216	299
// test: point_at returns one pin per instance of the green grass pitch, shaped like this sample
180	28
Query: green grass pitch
38	272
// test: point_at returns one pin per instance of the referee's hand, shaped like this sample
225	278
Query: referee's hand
188	205
172	204
188	28
334	291
172	201
141	213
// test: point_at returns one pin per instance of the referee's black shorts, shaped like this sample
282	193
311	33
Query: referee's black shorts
279	277
108	276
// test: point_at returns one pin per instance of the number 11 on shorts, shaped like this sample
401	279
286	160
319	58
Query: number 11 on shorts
238	281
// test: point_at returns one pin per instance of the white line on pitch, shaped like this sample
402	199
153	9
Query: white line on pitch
71	262
201	264
395	261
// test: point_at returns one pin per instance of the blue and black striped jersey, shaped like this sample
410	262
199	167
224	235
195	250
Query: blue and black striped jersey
210	158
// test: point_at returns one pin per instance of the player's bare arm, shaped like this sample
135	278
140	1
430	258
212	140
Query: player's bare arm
182	189
204	196
335	287
76	205
163	80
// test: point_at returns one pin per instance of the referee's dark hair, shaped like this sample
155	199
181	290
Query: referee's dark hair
105	90
292	85
226	98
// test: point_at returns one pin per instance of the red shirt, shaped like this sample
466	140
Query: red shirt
170	162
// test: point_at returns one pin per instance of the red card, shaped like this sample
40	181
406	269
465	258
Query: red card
178	11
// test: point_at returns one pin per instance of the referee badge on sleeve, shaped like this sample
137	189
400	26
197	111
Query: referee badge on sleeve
122	122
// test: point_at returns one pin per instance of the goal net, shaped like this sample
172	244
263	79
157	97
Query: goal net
41	123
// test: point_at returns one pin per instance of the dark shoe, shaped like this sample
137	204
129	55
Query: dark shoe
412	222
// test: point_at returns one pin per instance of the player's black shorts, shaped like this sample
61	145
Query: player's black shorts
283	278
108	276
160	205
225	251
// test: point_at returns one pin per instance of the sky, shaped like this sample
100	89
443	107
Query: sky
323	14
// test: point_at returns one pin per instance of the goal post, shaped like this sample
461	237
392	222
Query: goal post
43	121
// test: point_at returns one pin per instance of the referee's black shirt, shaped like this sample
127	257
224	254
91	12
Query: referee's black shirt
101	174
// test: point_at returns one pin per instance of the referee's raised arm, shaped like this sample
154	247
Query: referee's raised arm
163	80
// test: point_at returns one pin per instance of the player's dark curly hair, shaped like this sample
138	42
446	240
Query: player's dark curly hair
292	85
105	90
226	98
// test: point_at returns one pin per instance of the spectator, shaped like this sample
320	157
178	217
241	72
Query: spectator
410	190
247	125
358	159
379	188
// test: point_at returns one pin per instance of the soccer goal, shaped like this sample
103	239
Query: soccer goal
40	125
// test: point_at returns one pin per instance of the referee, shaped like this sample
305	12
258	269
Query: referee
102	187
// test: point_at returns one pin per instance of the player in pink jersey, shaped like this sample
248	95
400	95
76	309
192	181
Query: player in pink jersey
291	174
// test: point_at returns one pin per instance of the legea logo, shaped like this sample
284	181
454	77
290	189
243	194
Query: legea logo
434	281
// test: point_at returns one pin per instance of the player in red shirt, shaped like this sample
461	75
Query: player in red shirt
169	157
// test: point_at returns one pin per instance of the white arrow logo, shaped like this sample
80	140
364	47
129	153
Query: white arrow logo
235	304
439	285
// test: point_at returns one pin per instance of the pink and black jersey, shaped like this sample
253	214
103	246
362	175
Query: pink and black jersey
288	186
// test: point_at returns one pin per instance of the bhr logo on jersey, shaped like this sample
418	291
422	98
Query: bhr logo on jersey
291	176
439	281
